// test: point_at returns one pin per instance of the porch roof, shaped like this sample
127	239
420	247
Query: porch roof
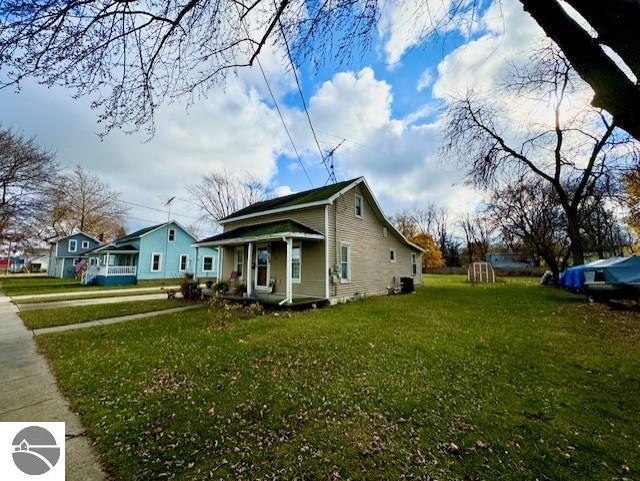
263	231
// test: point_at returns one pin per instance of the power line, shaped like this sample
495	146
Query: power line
136	204
273	98
332	174
156	221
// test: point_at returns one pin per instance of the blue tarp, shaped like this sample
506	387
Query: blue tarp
572	278
616	270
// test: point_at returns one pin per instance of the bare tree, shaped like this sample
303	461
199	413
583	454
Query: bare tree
575	154
478	233
220	193
528	212
81	201
137	55
25	171
604	231
405	222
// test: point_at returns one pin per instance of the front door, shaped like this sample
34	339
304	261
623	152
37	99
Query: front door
262	267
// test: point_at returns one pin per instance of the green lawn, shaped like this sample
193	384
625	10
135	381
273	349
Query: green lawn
19	286
505	382
40	318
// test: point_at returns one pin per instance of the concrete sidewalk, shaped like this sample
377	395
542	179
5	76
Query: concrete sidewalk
113	320
30	393
87	302
91	292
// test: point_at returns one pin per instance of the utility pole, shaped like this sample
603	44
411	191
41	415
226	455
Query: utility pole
166	239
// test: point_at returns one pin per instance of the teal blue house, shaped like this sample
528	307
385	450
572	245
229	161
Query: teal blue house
163	251
65	253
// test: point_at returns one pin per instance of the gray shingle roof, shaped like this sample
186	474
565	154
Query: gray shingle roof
139	233
306	197
263	229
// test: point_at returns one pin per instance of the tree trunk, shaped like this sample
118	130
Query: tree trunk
577	246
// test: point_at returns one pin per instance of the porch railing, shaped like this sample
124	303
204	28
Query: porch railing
121	270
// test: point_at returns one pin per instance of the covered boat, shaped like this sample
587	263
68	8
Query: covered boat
613	278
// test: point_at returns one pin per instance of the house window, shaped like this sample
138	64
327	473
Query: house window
359	205
384	232
75	262
207	263
172	235
156	262
414	264
184	262
392	255
296	263
93	261
239	261
73	245
345	262
85	244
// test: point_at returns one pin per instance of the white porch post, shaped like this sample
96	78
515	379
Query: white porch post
248	268
106	272
220	251
289	292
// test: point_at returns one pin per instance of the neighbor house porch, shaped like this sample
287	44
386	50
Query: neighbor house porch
280	262
112	265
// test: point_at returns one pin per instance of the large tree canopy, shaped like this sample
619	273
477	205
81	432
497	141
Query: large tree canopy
137	54
574	150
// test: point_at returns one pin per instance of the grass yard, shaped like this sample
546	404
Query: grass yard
19	286
505	382
40	318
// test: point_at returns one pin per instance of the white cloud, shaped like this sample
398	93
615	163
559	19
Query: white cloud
282	190
407	23
508	33
425	81
233	129
398	156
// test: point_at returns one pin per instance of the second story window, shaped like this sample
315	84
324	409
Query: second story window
172	235
73	245
359	205
392	255
85	244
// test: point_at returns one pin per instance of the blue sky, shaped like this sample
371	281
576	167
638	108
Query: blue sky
392	126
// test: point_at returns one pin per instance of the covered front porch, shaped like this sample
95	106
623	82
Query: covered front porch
279	262
112	265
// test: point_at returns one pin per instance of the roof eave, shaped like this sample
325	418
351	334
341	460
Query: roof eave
246	239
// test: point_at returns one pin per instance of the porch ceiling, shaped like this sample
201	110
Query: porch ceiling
274	230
